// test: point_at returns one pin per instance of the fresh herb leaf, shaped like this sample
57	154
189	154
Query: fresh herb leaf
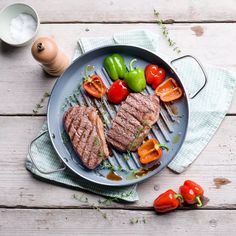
97	141
101	154
108	201
165	32
137	219
82	198
40	105
64	137
46	95
90	68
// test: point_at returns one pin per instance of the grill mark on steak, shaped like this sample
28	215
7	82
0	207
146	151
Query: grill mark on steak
133	102
126	119
116	144
75	123
79	132
83	126
134	98
133	121
85	136
118	133
132	111
90	146
69	117
124	125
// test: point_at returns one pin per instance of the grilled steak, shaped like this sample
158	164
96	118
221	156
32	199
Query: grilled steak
133	121
86	133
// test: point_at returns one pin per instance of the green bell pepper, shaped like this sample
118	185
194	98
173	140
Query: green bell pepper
115	66
135	78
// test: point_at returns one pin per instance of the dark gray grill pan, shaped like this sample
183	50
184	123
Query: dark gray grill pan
170	129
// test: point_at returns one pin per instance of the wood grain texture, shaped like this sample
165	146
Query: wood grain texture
128	11
19	188
90	222
23	83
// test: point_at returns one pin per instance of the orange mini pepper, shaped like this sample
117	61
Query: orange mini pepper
169	90
150	151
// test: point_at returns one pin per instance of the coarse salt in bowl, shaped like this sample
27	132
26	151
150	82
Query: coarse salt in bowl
19	24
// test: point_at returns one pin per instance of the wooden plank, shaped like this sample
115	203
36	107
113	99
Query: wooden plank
19	188
23	83
128	11
91	222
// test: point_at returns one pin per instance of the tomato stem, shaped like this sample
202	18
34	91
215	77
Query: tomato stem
199	201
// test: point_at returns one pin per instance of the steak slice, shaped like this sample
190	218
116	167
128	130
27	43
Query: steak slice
133	121
85	129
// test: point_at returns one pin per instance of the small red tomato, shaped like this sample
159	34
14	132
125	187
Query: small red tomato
150	73
118	92
159	78
154	75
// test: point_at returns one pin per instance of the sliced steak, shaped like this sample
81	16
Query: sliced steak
133	122
86	133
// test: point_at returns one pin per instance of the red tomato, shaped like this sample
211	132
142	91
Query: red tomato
154	75
118	92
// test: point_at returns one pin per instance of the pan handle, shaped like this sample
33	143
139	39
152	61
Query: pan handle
33	161
202	69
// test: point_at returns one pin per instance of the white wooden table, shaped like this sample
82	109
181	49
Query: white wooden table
32	207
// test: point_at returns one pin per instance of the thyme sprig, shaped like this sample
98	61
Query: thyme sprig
40	105
106	165
165	32
136	220
107	201
82	198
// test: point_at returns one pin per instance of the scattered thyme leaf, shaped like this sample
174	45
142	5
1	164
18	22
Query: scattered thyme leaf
101	154
144	220
40	105
107	201
126	157
165	31
64	137
90	68
136	220
97	141
46	95
133	220
82	198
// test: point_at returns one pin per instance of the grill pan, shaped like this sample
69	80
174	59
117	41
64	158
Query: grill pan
170	129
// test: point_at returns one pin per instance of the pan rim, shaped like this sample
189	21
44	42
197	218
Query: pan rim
131	182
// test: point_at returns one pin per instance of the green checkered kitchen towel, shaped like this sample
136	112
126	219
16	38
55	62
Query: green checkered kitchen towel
207	110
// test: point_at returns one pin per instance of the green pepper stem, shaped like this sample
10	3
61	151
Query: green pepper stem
131	64
179	196
199	201
162	146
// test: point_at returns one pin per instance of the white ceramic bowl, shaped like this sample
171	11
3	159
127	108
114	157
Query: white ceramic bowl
10	12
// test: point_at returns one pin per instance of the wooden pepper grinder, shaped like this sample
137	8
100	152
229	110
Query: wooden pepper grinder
53	60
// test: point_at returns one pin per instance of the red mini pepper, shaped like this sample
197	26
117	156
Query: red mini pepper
167	201
118	92
154	75
192	192
93	84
